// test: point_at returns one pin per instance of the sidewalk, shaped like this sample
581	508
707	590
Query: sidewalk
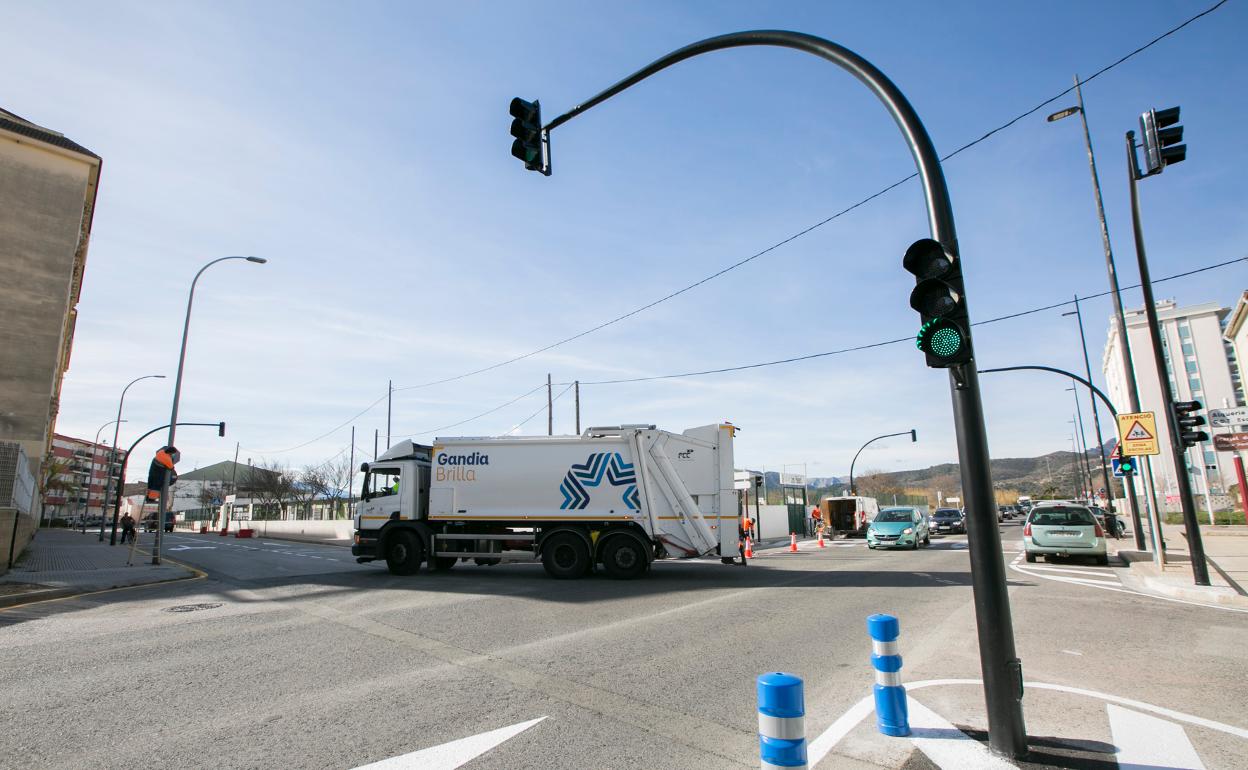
1226	551
60	563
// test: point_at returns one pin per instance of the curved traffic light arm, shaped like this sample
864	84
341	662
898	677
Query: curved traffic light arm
121	478
913	437
1104	398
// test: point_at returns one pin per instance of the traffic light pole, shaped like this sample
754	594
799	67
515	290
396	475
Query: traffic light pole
1195	544
1001	668
913	437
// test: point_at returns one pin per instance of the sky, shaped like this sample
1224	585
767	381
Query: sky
363	150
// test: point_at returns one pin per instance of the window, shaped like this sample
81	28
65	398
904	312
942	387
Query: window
381	482
1185	331
1188	349
1191	367
1194	383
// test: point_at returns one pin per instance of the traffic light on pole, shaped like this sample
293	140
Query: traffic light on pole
1161	136
1187	420
939	297
526	127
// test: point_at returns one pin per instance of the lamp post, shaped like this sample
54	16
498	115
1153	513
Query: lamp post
91	478
1085	465
1120	325
177	394
914	436
112	457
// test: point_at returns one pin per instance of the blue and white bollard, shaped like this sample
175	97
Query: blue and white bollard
891	713
781	722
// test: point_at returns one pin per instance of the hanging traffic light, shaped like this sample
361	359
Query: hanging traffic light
527	129
1161	138
939	297
1186	419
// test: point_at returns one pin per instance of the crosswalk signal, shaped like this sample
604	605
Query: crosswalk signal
1161	136
940	299
526	127
1186	419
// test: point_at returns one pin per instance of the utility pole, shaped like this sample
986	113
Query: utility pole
576	387
351	478
389	401
1128	488
1196	546
550	409
1085	464
375	431
1120	326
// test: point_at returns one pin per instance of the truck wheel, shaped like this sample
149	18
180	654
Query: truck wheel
565	556
624	558
403	553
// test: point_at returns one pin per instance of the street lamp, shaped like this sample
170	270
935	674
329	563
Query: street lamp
177	394
91	477
112	457
1120	321
914	436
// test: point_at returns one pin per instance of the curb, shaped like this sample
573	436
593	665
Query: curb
52	594
1216	595
14	600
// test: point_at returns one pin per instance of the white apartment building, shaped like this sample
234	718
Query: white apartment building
1201	366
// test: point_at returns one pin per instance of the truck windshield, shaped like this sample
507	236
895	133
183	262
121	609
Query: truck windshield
382	482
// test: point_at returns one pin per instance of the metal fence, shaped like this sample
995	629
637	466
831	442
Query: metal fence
17	483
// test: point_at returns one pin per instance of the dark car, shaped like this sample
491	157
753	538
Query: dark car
149	523
947	521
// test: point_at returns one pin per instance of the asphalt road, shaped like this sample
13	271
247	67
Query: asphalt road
301	658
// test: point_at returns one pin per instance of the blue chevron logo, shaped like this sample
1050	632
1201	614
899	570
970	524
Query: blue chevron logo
600	465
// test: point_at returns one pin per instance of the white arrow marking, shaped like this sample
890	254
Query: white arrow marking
449	756
191	548
1145	741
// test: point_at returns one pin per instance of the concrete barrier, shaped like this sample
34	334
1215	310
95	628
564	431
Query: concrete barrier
339	531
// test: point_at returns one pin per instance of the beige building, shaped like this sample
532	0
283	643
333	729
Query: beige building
1200	364
48	187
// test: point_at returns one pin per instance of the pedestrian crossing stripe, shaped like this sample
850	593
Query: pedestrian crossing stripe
1138	433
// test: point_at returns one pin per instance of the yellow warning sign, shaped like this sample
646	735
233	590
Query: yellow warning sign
1137	432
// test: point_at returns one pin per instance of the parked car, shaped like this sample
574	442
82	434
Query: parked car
948	521
1063	529
149	522
902	527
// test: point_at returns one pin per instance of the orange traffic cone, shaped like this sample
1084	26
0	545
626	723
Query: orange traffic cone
792	542
749	548
821	545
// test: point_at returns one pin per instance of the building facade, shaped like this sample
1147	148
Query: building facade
47	199
77	490
1201	366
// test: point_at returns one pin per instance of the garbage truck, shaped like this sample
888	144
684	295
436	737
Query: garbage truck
618	497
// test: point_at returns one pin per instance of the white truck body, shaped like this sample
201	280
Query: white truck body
480	497
848	515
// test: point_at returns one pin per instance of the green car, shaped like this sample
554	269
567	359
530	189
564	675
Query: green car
898	527
1063	530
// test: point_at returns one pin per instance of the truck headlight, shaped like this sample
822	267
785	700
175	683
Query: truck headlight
908	531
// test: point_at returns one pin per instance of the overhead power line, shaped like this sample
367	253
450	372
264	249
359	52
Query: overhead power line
883	343
539	411
761	253
816	225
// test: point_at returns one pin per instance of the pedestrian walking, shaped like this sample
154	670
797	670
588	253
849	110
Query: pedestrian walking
127	527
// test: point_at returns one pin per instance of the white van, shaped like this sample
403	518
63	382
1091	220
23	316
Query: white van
848	516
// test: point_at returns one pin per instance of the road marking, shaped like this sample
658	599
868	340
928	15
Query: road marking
821	746
1069	571
449	756
1072	652
1145	741
947	746
191	548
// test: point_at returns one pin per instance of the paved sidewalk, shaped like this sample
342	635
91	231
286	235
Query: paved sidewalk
60	563
1226	551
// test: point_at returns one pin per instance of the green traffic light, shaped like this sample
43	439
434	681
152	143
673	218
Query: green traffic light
941	338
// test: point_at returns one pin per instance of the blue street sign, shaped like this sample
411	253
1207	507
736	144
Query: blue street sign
1123	466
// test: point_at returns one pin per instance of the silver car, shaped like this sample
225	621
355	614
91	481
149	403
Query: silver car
1063	529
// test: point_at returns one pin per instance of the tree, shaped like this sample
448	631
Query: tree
270	484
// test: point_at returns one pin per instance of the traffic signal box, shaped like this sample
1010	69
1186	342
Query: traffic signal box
1161	134
939	297
526	127
1187	420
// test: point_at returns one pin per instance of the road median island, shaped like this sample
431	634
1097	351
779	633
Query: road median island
1174	581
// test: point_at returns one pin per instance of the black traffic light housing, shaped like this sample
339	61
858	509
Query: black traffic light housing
938	295
531	144
1126	466
1161	134
1187	420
